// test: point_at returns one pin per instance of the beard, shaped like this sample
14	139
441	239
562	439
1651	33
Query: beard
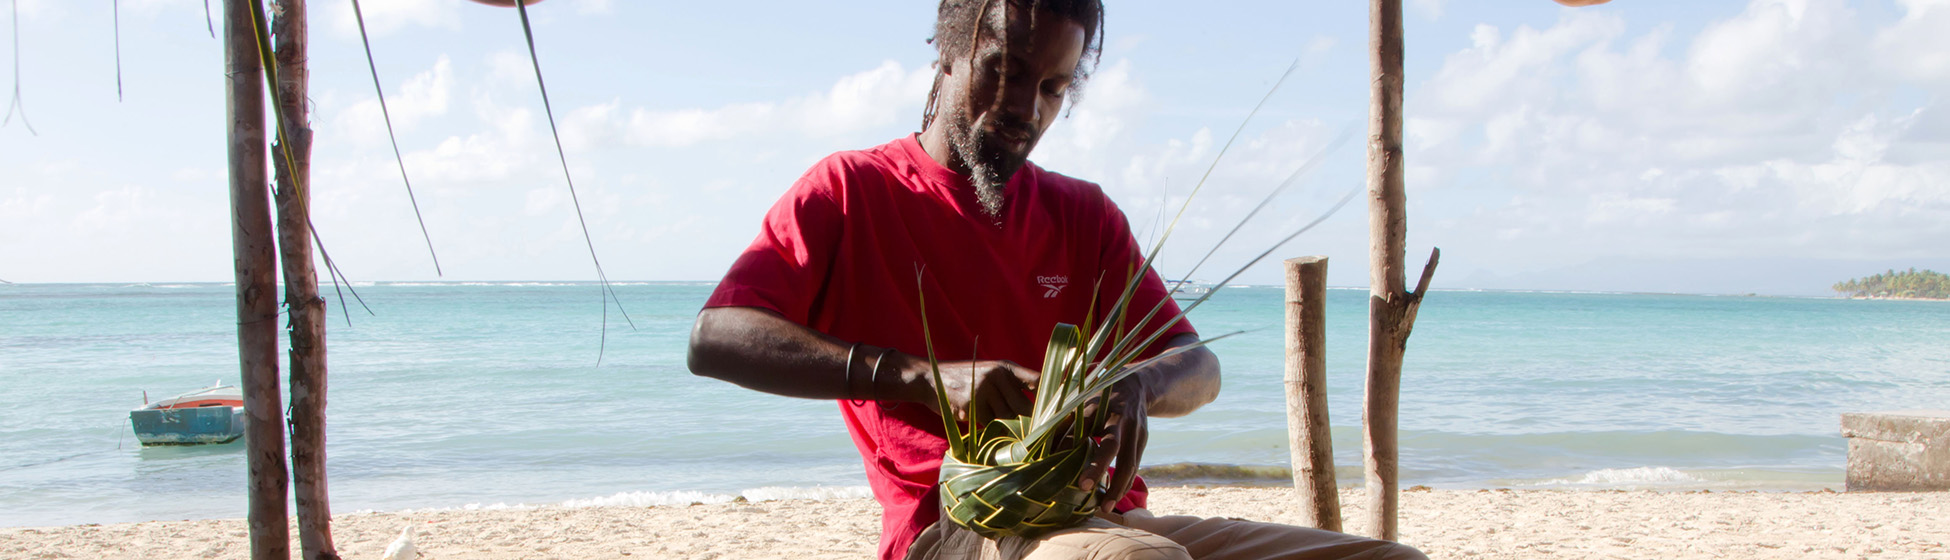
990	164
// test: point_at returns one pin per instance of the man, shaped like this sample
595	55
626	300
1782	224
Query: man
825	303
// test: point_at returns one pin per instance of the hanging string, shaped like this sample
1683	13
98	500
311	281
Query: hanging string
116	7
609	294
17	102
359	16
208	21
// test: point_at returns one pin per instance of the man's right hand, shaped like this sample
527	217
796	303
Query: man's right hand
758	349
1000	387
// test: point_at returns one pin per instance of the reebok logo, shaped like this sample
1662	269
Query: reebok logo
1052	285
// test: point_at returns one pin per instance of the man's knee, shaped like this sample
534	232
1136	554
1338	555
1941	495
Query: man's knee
1215	538
1099	541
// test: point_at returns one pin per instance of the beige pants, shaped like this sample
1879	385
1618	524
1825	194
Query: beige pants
1137	535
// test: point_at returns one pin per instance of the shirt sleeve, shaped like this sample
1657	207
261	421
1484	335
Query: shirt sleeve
785	268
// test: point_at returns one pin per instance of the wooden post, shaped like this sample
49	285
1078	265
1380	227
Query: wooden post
1309	435
257	300
1391	307
306	310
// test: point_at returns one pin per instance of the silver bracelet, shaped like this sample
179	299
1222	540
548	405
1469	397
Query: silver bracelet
874	379
846	387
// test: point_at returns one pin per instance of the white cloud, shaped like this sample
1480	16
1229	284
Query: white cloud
684	127
1746	135
1431	9
1107	140
1779	127
588	7
511	68
424	95
115	213
511	141
1917	47
863	101
20	211
387	16
1498	70
152	7
542	201
1763	58
1318	48
38	9
1103	114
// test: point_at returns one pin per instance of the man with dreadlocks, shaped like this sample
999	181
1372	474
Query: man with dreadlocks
824	304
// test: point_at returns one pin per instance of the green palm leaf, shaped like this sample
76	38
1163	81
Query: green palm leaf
1022	476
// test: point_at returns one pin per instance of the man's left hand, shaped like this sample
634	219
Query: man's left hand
1125	434
1168	387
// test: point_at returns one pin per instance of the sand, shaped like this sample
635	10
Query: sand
1444	523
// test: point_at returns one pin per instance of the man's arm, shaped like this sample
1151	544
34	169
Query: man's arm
1170	387
1180	384
758	349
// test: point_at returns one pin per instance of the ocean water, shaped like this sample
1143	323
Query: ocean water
457	395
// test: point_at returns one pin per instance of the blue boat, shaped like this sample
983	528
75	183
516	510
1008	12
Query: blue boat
213	415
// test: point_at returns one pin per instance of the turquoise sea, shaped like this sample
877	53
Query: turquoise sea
457	395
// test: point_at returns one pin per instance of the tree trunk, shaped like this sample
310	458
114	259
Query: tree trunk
257	306
1309	435
306	309
1391	307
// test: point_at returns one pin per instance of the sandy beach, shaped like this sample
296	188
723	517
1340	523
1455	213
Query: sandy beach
1444	523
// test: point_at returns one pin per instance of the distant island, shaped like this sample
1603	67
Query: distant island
1911	284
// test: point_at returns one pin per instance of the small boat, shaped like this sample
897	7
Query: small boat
213	415
1188	290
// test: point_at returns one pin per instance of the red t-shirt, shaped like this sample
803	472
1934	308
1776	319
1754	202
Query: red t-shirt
838	253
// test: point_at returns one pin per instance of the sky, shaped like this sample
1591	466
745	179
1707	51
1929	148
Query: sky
1763	146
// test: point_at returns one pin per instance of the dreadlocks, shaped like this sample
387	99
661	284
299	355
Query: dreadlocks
961	24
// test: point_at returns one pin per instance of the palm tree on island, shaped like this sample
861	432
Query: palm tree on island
1910	284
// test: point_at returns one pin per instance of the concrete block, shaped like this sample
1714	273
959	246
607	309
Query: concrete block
1900	451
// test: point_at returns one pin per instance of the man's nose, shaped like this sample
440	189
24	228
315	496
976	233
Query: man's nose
1019	102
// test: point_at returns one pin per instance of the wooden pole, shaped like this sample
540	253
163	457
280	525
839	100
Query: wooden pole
306	310
1391	307
1309	435
257	306
1387	227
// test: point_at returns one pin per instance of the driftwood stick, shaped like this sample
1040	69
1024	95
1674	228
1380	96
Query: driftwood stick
1309	435
257	299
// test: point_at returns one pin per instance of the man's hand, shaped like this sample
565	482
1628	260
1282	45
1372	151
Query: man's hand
1168	387
1000	387
1125	433
758	349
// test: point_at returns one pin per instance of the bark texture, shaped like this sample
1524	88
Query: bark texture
1391	307
1309	434
253	245
306	310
